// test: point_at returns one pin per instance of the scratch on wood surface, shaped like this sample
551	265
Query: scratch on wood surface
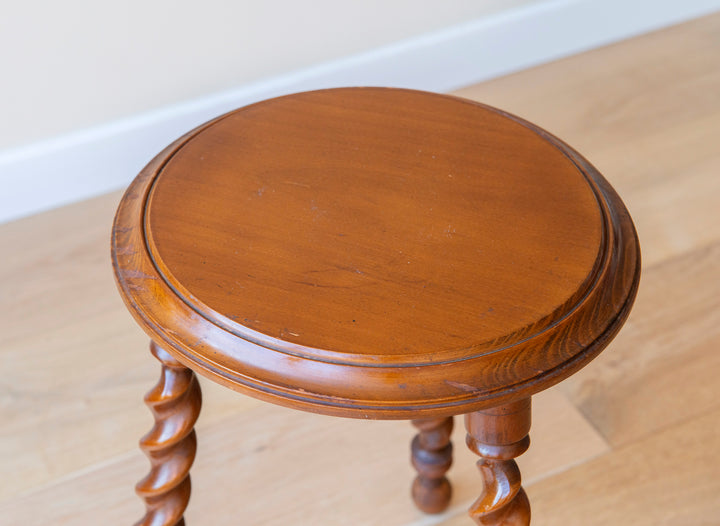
297	184
463	387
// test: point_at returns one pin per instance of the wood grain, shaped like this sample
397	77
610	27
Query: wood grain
366	310
411	226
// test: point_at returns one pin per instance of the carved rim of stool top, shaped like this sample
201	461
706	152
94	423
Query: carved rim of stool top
332	377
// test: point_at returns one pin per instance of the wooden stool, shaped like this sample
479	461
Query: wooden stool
372	253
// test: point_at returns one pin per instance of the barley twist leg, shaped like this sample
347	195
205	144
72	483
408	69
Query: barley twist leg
170	445
499	435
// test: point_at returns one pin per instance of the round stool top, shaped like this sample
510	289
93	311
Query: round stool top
377	253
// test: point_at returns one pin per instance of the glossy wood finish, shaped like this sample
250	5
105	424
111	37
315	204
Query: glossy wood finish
376	253
170	445
499	435
432	455
409	226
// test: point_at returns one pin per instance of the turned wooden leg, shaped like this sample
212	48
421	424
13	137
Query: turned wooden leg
170	445
432	457
499	435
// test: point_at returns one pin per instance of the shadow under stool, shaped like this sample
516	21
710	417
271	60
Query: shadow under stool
372	253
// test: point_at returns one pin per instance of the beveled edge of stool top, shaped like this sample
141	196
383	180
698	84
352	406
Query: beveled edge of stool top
310	380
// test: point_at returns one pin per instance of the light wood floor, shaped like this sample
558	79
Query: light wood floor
632	439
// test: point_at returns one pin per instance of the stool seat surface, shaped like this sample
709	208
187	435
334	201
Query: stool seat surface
376	252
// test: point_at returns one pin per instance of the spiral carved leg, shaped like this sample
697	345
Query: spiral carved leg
499	435
432	457
170	445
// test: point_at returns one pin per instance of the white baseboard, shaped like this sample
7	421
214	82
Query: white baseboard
84	164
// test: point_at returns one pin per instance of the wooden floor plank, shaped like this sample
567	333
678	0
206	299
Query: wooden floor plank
56	270
665	479
93	412
646	92
663	366
678	214
265	465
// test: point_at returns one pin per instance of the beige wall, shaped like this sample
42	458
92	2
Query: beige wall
73	64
